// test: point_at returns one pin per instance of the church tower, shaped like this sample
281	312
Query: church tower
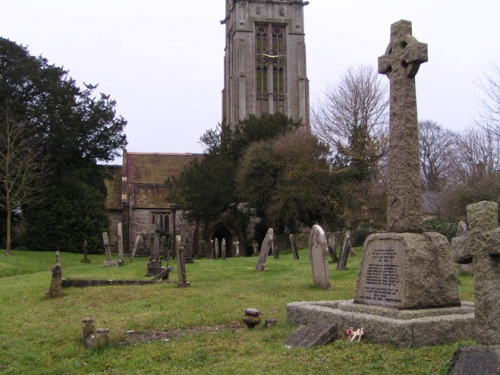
265	60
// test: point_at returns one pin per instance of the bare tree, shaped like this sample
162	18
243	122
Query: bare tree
488	115
22	168
437	148
352	118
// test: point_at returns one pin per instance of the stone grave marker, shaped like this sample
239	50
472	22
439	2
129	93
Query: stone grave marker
223	249
405	268
56	281
108	262
275	250
182	281
344	252
482	246
134	249
188	251
318	248
255	248
264	250
155	265
312	335
237	248
293	243
119	232
464	268
85	259
216	248
332	247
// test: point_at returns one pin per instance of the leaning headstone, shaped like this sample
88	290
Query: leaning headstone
134	249
332	247
405	268
464	268
293	244
344	252
56	281
318	248
216	248
310	335
223	249
85	259
264	250
120	244
182	282
108	262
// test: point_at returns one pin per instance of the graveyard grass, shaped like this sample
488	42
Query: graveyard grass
42	336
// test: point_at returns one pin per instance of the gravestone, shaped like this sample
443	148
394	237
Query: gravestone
85	259
216	248
482	247
108	262
318	248
182	281
255	248
120	244
482	244
134	249
237	248
312	335
264	250
332	247
223	249
275	250
188	251
154	266
344	252
56	281
293	243
464	268
405	268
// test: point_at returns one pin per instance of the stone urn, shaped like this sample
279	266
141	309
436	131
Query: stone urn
251	318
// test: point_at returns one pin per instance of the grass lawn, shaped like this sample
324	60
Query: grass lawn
42	336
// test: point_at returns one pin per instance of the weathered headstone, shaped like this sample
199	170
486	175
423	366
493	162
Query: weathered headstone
293	244
318	248
275	250
464	268
255	248
312	335
188	251
332	247
119	232
56	281
405	268
344	252
400	64
134	249
155	265
237	248
182	281
108	262
223	249
264	250
85	259
216	248
483	246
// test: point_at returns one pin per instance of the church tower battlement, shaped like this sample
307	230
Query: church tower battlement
265	60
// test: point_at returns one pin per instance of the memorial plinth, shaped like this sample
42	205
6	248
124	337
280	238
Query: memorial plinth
407	271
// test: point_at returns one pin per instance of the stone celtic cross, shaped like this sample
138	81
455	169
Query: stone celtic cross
482	245
400	64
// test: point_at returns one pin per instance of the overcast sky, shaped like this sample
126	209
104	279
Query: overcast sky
162	61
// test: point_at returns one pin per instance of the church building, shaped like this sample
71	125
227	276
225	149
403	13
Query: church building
264	72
